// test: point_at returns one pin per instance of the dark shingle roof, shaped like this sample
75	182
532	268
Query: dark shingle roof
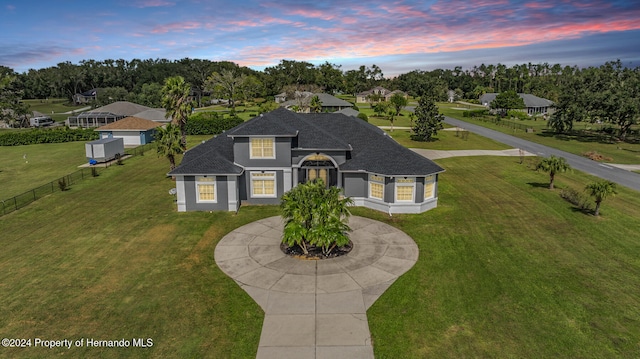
214	156
371	149
529	100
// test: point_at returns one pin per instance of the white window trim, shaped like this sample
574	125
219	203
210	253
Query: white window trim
275	185
370	182
273	146
433	191
413	191
215	189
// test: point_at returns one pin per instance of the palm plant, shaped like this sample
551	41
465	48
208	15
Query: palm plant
599	191
553	165
315	104
169	144
315	216
175	99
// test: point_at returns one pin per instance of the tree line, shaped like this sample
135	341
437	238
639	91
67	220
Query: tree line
608	93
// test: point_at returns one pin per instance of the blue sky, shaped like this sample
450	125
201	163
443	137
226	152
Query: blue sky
398	36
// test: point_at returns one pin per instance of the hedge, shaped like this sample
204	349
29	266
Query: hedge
54	135
475	113
210	123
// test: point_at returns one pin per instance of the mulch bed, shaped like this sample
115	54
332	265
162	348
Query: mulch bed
315	253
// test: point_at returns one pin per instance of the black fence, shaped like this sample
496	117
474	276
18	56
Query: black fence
61	184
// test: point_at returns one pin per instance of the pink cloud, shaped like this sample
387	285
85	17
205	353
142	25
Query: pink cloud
177	27
152	3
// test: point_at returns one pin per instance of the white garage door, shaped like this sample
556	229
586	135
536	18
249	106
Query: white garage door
130	138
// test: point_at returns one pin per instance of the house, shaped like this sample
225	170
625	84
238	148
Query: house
533	104
259	160
380	92
86	97
328	102
114	112
134	131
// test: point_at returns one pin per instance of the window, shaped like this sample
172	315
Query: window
206	189
405	189
429	186
262	148
263	184
376	187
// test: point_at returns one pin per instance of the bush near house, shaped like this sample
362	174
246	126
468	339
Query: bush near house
210	123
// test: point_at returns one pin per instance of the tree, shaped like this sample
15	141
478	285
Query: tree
315	216
553	165
427	120
226	84
600	191
315	104
398	102
506	101
12	109
380	109
168	143
175	99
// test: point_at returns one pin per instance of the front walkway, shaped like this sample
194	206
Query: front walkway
315	308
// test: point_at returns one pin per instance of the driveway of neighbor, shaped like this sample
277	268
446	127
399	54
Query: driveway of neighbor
315	308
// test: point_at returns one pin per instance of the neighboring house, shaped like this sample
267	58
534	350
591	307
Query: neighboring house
329	103
259	160
381	92
114	112
86	97
533	104
134	131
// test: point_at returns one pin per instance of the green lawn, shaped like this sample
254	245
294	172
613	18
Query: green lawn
448	140
58	106
43	164
619	152
507	269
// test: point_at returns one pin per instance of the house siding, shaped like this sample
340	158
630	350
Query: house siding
355	184
241	153
221	195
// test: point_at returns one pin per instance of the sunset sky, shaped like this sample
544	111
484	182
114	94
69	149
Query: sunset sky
398	36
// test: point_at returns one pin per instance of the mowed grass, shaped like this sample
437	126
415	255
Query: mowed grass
448	140
619	152
508	269
112	259
43	164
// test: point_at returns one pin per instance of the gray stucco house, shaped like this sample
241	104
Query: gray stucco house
259	160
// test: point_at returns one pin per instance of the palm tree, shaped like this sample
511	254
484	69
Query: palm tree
553	165
168	143
175	99
315	104
599	191
315	216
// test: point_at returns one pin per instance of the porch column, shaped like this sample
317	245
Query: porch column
287	175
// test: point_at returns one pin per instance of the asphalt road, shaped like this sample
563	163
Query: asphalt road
619	176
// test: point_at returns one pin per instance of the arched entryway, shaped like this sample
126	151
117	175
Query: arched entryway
318	166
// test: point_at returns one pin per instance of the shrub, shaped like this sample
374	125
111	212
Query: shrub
475	113
210	123
576	198
54	135
62	184
363	116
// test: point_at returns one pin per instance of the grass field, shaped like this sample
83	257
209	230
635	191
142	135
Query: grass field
619	152
506	269
44	163
57	106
